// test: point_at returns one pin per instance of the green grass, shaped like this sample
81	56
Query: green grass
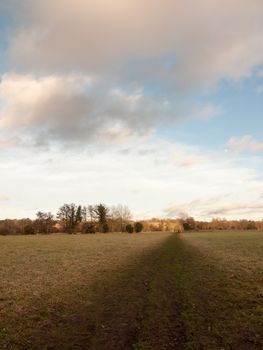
145	291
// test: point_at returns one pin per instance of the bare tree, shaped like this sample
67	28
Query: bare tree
44	222
122	215
84	213
91	211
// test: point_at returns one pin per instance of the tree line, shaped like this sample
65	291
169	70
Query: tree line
190	224
72	218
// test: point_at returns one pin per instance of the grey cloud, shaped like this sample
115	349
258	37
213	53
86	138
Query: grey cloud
208	211
207	207
72	110
188	42
233	209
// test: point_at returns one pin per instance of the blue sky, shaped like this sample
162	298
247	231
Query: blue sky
241	113
152	104
5	26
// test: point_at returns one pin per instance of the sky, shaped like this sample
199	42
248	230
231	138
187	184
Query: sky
152	104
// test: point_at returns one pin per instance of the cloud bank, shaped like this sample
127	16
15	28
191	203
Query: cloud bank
82	67
216	207
73	109
189	42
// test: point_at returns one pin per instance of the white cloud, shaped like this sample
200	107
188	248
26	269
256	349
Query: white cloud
148	177
4	198
245	144
192	160
207	112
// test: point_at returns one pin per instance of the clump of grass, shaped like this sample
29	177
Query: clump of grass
139	346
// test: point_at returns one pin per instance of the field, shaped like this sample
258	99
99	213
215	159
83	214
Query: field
141	291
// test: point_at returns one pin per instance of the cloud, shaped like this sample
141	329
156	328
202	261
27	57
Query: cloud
207	112
4	198
171	154
189	42
236	209
245	144
200	204
217	206
72	109
86	73
148	181
192	160
78	110
259	89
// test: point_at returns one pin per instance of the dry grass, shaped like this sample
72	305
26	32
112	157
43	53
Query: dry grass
154	291
240	254
42	276
226	288
238	250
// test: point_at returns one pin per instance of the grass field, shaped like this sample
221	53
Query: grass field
141	291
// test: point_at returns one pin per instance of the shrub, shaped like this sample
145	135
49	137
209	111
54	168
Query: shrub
4	231
29	229
189	224
138	227
88	228
105	228
129	228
